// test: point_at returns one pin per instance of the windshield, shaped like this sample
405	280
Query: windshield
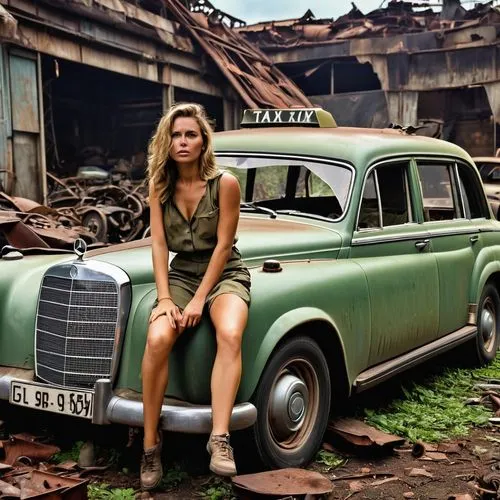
291	184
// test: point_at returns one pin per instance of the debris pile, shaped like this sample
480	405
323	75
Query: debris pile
25	474
97	206
110	206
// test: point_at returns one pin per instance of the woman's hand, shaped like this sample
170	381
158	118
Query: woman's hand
169	309
191	316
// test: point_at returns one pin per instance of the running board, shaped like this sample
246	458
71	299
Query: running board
383	371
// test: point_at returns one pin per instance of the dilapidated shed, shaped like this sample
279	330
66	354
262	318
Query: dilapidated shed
84	82
402	63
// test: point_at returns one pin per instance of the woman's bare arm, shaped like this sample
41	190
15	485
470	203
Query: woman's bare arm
160	258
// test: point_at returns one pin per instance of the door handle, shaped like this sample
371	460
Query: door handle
421	244
474	238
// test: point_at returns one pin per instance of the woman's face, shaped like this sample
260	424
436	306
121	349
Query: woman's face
187	141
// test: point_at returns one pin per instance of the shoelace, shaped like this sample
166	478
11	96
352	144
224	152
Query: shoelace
222	443
149	462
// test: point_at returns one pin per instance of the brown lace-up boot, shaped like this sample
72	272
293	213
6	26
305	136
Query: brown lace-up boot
151	469
222	460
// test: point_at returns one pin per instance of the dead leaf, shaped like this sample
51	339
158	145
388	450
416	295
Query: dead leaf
408	494
435	456
365	470
356	486
383	481
414	472
449	448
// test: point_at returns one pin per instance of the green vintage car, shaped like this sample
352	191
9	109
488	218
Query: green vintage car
370	251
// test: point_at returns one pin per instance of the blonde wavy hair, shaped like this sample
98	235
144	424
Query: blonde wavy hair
162	169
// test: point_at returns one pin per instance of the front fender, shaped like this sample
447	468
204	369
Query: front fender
279	329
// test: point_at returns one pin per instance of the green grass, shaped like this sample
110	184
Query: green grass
329	460
172	478
436	411
216	489
105	492
67	455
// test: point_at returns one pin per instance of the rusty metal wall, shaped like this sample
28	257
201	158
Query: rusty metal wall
23	87
4	164
24	94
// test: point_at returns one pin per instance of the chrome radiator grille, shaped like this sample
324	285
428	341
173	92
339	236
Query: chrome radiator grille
77	326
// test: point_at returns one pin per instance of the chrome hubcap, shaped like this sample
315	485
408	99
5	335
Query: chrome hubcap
488	324
288	405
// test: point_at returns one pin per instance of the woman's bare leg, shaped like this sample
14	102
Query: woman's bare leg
229	315
160	341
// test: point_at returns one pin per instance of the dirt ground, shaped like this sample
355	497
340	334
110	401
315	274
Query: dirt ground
470	465
369	473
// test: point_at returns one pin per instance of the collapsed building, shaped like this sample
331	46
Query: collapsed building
84	82
404	64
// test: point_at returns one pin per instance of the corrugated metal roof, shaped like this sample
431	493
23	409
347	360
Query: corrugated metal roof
399	17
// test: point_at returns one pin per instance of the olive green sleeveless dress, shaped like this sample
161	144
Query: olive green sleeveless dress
194	241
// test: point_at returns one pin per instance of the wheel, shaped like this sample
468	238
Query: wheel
293	404
488	324
95	222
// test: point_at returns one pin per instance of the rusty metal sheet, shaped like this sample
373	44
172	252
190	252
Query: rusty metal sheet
225	47
48	486
284	482
361	434
17	447
24	94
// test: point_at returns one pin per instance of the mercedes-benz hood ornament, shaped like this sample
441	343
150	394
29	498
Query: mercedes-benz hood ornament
80	247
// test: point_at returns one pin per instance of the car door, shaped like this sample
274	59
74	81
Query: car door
393	250
455	210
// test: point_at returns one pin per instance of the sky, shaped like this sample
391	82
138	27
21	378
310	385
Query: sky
253	11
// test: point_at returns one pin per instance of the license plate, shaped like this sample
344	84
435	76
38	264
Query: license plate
41	397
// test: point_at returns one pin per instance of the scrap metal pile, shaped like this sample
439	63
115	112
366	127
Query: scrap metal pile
101	209
398	17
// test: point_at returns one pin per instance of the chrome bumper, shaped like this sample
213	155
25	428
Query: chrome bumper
109	408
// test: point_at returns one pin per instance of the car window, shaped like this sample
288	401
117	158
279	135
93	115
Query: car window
311	185
475	205
309	188
270	183
439	198
490	172
386	197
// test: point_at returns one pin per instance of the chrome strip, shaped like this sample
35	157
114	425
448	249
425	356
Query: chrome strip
410	236
388	369
314	159
94	270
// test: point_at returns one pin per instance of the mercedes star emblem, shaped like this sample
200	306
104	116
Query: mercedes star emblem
80	247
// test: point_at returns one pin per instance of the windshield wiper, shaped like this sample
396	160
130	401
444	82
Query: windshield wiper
299	213
263	210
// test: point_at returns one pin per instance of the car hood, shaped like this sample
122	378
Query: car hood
259	238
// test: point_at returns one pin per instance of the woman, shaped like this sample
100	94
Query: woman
194	212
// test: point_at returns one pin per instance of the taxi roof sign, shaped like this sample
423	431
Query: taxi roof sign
301	117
